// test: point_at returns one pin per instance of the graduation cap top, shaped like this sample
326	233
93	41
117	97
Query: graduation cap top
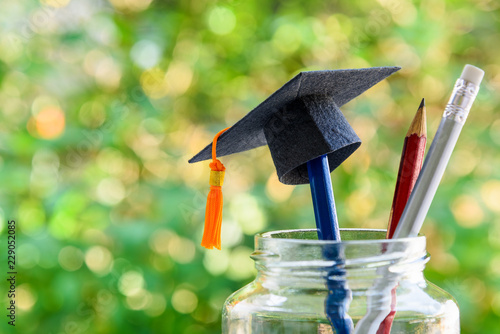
302	121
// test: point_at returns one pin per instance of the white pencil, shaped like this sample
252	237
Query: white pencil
454	117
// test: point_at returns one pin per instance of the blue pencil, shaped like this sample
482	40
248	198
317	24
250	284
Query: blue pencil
322	197
339	296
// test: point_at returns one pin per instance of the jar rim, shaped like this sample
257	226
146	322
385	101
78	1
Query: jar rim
269	236
358	248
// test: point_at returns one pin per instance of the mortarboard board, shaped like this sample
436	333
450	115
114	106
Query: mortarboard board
302	121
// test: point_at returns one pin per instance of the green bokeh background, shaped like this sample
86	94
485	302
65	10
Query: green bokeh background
102	103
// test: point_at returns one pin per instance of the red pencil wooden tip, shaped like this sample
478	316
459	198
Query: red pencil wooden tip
418	125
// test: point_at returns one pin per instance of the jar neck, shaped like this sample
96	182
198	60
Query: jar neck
312	263
357	277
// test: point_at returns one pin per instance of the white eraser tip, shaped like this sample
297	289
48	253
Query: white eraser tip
472	74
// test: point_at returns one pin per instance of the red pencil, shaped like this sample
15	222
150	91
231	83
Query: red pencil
409	168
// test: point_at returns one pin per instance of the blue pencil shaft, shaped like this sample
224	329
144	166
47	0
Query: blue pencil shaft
322	197
338	300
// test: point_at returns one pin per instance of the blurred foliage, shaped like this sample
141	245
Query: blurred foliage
102	103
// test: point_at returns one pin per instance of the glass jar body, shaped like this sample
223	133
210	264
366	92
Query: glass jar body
366	276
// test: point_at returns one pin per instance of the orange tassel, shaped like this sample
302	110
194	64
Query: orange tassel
213	213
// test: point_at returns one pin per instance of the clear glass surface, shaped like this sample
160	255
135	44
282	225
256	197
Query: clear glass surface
303	285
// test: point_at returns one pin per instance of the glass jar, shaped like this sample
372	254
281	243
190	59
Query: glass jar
304	285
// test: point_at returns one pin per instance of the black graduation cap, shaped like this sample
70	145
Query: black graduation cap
302	121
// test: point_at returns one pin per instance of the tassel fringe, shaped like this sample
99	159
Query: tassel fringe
213	219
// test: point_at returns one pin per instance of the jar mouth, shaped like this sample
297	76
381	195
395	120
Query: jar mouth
350	236
359	247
